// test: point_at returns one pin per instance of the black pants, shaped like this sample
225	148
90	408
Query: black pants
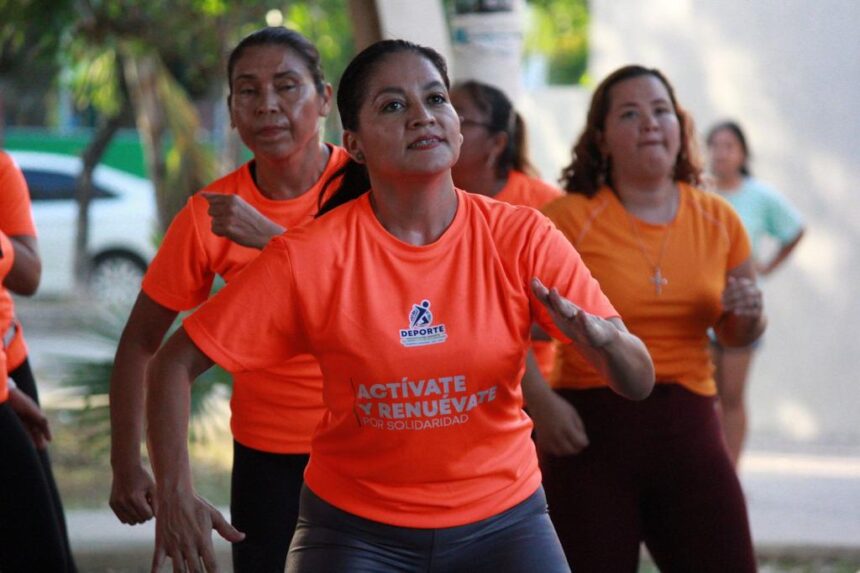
329	540
264	504
31	539
655	471
26	382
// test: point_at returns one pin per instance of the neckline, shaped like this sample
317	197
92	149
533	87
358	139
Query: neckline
682	202
395	245
261	198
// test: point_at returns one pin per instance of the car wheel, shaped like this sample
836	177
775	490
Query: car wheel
115	278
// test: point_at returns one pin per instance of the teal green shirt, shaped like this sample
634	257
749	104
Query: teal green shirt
765	213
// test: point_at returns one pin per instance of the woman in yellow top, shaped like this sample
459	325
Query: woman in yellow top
675	261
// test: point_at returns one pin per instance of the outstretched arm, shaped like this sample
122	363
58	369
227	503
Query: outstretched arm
616	353
184	520
132	490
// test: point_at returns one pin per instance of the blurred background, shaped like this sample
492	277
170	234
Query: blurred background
131	96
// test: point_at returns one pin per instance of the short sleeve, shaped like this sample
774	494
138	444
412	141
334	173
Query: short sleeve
554	260
16	215
7	257
783	221
254	322
180	277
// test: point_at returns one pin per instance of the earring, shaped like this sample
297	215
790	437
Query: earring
359	156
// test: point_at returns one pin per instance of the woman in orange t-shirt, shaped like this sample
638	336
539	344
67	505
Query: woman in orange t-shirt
278	95
494	162
675	262
417	299
31	529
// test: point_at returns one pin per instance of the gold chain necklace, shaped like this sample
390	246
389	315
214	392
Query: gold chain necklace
657	278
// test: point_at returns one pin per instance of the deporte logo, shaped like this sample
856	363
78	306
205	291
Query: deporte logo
422	331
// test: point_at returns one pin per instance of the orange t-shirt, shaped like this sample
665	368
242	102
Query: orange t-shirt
702	244
521	189
274	409
6	259
16	218
422	349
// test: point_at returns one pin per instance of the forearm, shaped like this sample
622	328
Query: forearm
781	255
168	406
625	363
269	230
735	330
536	391
141	338
127	397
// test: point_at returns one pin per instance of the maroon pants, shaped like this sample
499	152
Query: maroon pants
655	471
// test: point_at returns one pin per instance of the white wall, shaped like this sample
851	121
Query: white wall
789	71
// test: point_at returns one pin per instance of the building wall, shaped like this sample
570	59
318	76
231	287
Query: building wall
789	72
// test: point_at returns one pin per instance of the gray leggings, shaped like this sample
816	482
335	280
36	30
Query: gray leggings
328	539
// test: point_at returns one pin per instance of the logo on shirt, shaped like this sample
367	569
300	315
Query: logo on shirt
422	331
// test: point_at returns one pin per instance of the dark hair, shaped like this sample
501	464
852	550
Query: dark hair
351	93
503	118
280	36
736	130
589	169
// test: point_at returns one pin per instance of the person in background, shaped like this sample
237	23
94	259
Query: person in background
494	162
675	261
277	98
417	299
24	275
32	532
765	214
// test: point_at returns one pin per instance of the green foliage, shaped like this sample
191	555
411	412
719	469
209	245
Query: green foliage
88	380
559	32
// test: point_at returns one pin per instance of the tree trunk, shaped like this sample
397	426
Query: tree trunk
142	76
84	193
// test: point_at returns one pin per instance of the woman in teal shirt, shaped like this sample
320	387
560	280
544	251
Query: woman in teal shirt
765	214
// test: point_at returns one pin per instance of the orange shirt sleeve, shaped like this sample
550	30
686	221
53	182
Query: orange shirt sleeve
180	276
553	260
16	216
254	322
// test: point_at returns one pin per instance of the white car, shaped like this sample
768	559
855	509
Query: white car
122	225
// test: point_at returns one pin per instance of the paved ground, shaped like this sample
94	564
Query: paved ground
804	500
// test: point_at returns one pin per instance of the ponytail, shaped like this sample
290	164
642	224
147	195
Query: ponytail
354	182
519	147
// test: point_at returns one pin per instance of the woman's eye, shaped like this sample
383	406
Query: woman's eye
247	91
392	106
286	87
437	99
628	114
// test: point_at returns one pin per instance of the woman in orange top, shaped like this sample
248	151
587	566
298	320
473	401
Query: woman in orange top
675	261
21	252
31	530
494	162
278	95
417	299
